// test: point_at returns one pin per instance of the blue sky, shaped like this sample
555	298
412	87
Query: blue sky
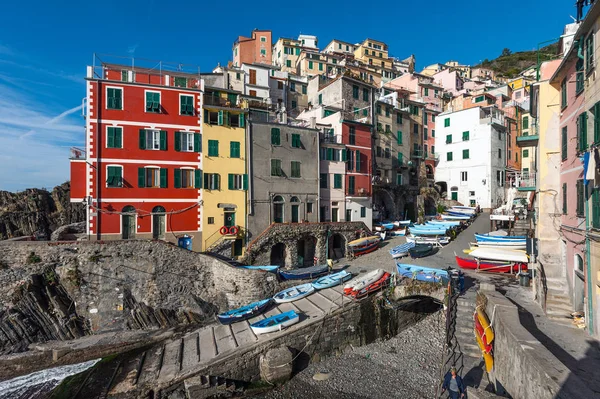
45	47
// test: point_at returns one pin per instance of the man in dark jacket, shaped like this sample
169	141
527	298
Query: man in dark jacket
454	384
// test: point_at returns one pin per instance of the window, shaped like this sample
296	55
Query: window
211	220
499	153
563	93
596	208
352	135
388	153
399	137
582	132
263	39
589	52
288	63
310	65
363	211
114	98
509	156
356	112
463	176
387	111
124	75
320	66
399	118
416	129
303	89
579	76
400	159
276	167
355	91
447	122
516	157
114	137
426	91
188	142
294	104
525	122
153	140
186	105
465	154
351	184
580	198
187	178
499	177
388	128
525	153
448	139
465	136
237	77
378	109
399	179
433	115
449	156
350	160
296	141
275	136
114	176
237	182
309	207
180	82
479	99
378	152
234	149
365	95
433	150
358	160
295	167
564	198
596	112
425	133
365	112
152	102
320	98
337	180
152	177
432	132
425	117
212	181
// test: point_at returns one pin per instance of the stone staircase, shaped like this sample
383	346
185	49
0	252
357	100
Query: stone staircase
558	303
521	227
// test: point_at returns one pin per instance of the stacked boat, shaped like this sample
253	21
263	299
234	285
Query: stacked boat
496	253
457	212
397	228
432	232
370	282
363	245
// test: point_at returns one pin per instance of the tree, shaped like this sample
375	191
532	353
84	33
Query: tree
506	52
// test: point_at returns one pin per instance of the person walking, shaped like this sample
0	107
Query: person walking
453	383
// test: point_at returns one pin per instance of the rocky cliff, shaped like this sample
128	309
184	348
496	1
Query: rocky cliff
37	212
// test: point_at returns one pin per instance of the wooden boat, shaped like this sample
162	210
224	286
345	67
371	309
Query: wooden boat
455	209
294	293
380	283
428	240
421	273
398	232
331	280
446	216
401	250
385	226
364	245
263	268
502	255
275	323
488	238
304	272
361	282
421	251
444	223
490	266
245	312
485	324
514	246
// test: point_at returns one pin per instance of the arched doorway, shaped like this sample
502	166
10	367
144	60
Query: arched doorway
578	284
307	246
337	246
128	221
278	204
158	222
295	209
278	254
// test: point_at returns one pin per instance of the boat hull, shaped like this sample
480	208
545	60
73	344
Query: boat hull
331	280
454	217
428	240
421	251
275	323
272	269
502	255
294	293
304	273
381	283
471	264
401	250
362	281
420	273
500	245
361	250
245	312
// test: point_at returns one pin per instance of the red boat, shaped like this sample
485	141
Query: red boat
383	282
490	267
364	245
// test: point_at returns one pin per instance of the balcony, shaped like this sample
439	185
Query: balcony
77	154
254	104
529	138
219	101
401	164
525	181
359	193
417	154
330	138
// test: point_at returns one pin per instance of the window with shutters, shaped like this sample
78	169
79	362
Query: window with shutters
399	179
432	132
426	91
399	137
448	139
499	153
296	141
579	76
416	129
399	118
303	89
323	180
563	94
211	220
124	77
186	141
187	178
425	133
295	169
465	154
275	136
582	132
525	122
358	164
234	149
152	140
465	136
596	208
114	137
388	128
388	153
463	176
276	167
365	94
237	182
363	211
212	181
114	176
292	86
596	112
114	98
355	91
186	105
288	63
589	52
564	198
351	184
387	111
352	135
153	101
580	198
447	122
213	148
337	181
180	82
525	153
448	156
152	177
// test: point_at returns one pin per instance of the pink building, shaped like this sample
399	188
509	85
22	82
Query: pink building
450	81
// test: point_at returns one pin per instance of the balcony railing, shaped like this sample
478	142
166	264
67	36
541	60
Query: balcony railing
525	181
77	153
258	105
417	154
528	140
331	139
219	101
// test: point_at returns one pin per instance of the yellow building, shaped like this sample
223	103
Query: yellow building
225	180
286	53
463	70
374	54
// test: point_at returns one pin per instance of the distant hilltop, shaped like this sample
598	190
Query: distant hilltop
510	64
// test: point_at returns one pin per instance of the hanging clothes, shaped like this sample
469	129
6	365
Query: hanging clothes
590	173
586	163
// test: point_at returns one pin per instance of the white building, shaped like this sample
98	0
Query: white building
309	41
470	144
256	80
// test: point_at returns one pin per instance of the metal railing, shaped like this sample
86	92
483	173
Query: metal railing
219	101
525	179
331	138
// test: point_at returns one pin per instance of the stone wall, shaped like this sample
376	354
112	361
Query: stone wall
118	285
262	250
523	367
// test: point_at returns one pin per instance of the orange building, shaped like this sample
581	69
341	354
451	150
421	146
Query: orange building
255	49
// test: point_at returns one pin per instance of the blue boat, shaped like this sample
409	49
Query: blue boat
263	268
443	222
489	238
331	280
304	272
275	323
401	250
421	273
245	312
427	232
294	293
452	213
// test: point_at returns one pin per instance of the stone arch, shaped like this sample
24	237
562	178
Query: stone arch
278	254
336	246
384	201
306	249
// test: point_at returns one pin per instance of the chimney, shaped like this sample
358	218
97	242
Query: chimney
313	122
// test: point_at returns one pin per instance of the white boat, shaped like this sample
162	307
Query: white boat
502	245
498	233
461	210
428	240
504	255
363	281
402	223
475	245
399	232
294	293
453	217
275	323
382	234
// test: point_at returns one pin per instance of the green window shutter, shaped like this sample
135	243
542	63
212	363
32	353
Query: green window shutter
163	140
351	181
596	123
141	177
177	178
465	136
206	181
330	154
596	208
358	161
564	195
320	66
142	139
310	65
118	137
110	138
220	119
583	141
448	139
580	197
230	179
245	182
217	182
177	144
365	95
525	153
564	139
197	142
242	120
337	180
448	156
213	148
303	89
399	138
273	167
163	178
365	112
295	140
275	136
425	131
447	122
320	98
234	149
363	211
344	155
400	159
465	154
205	116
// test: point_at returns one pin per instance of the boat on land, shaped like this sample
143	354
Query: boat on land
364	245
401	223
402	249
418	231
447	216
275	323
363	281
440	240
384	226
498	233
294	293
494	267
514	245
382	235
498	254
262	268
245	312
444	223
421	273
482	339
421	251
380	283
331	280
482	319
398	232
488	238
461	209
304	273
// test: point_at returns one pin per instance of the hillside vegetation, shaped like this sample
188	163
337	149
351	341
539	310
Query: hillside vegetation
510	64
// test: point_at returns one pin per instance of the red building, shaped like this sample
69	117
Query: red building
141	171
359	168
